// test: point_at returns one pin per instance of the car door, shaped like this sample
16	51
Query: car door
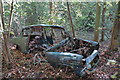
21	41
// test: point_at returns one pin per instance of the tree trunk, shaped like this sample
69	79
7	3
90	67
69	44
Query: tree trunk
50	3
70	19
103	21
51	20
115	38
5	45
97	22
6	52
31	14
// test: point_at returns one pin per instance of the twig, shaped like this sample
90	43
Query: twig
66	69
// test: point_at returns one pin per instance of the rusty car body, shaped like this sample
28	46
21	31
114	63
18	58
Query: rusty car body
44	34
59	47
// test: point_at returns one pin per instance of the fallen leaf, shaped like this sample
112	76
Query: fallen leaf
114	75
112	61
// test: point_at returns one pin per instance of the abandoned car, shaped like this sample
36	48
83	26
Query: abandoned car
59	47
38	36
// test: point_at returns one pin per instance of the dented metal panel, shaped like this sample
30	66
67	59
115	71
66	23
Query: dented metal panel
90	58
21	42
64	58
79	63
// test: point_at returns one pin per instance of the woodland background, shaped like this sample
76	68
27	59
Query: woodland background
98	21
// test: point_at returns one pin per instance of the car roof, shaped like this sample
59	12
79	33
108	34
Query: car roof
42	25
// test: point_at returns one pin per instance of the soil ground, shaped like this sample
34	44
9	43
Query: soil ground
107	69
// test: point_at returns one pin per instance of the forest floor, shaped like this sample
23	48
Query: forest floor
108	68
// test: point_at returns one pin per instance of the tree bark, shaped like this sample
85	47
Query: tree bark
51	14
5	47
115	38
6	52
70	19
10	18
97	22
51	5
103	21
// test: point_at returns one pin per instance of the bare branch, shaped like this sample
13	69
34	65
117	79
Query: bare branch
7	3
